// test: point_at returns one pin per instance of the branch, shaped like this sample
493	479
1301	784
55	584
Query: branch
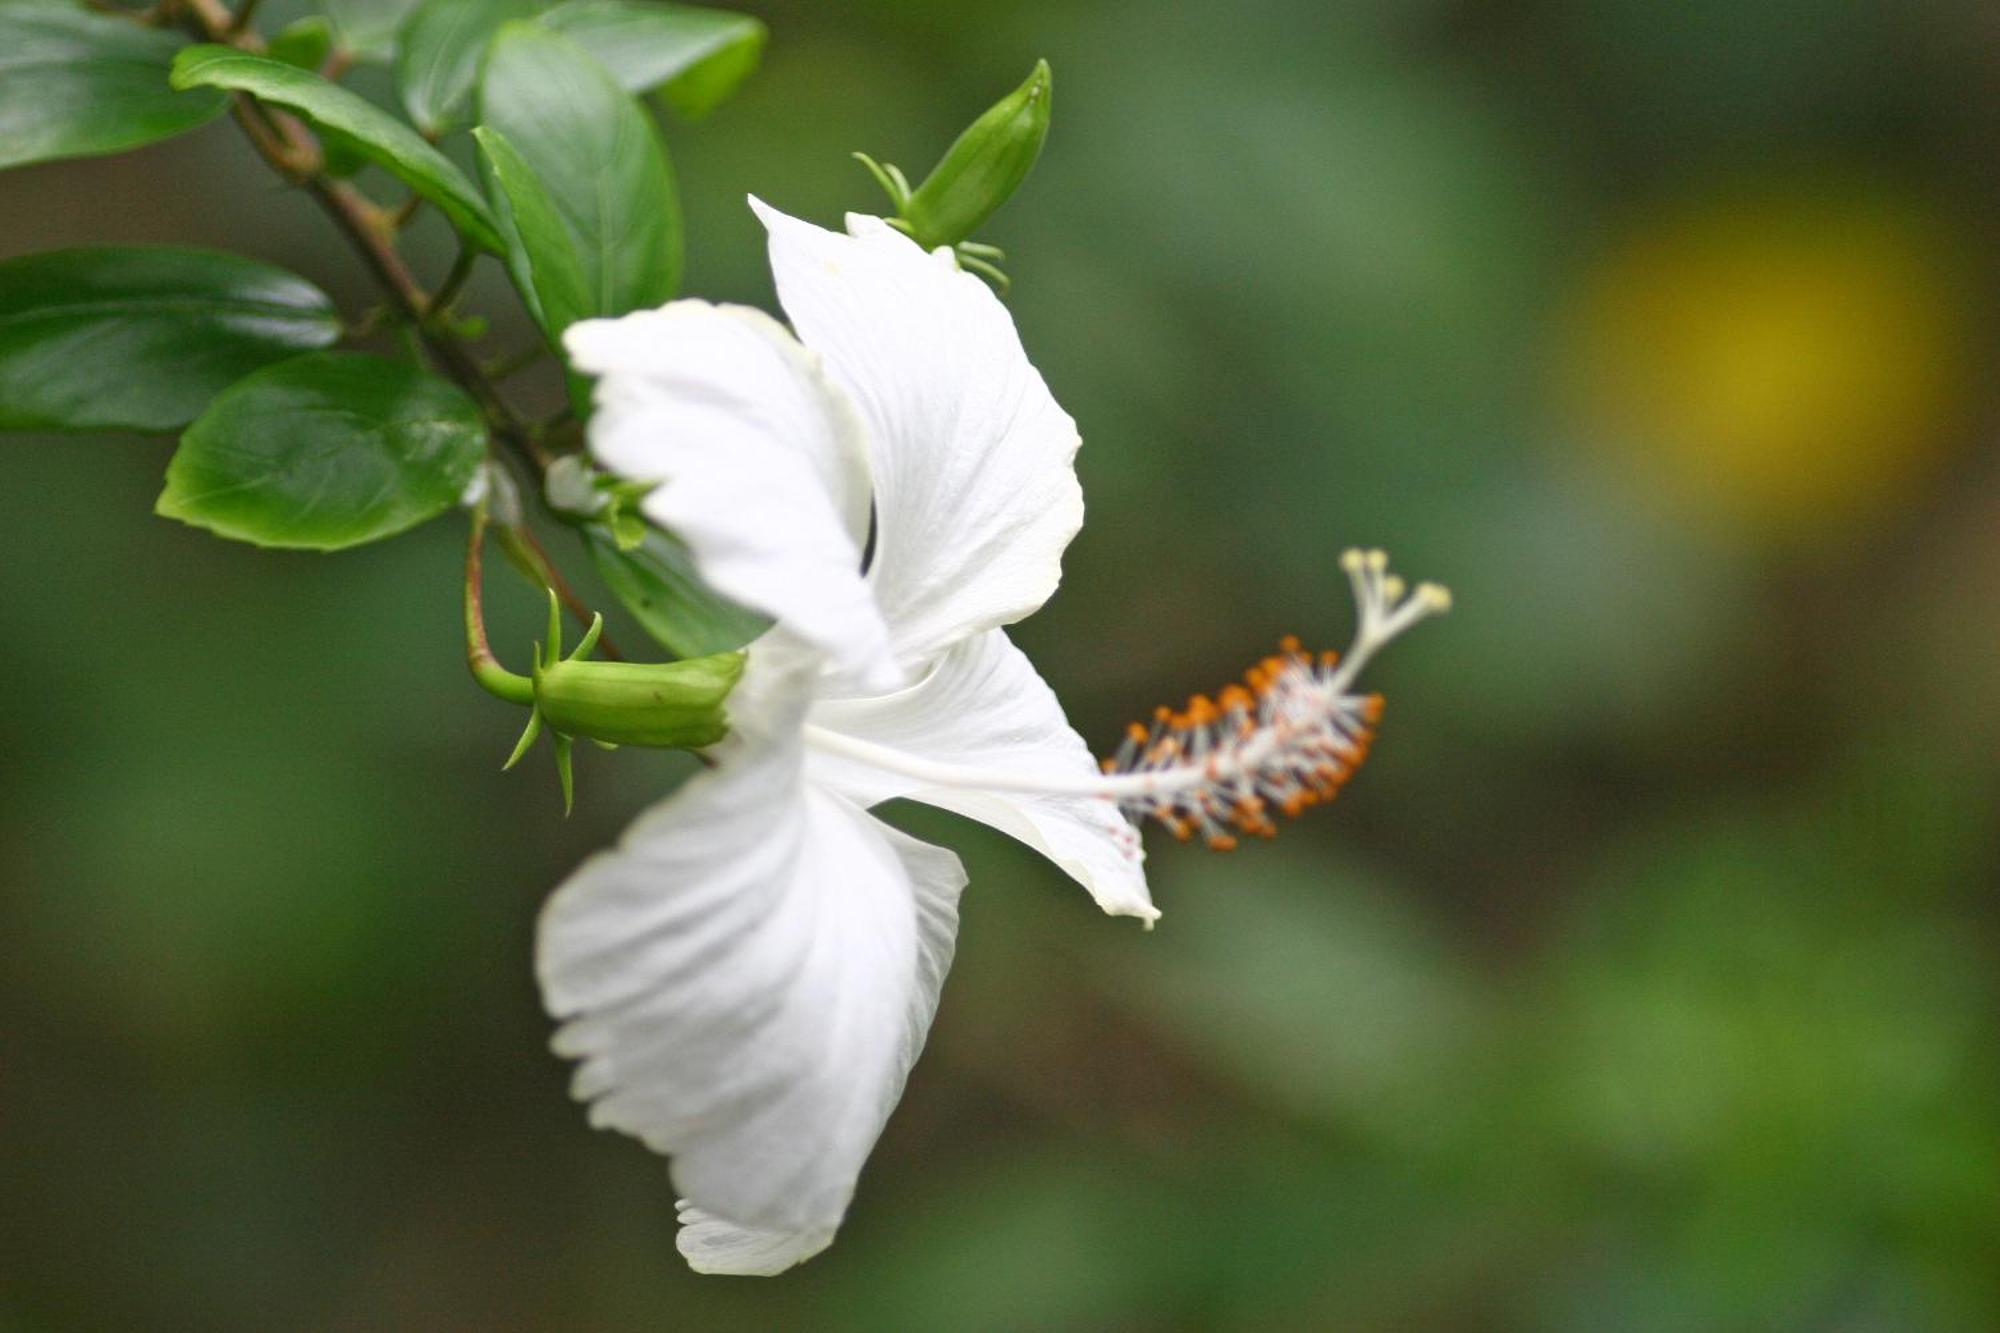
291	150
502	368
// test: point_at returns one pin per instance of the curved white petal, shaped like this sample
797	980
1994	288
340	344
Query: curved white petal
758	459
711	1245
974	463
747	980
984	705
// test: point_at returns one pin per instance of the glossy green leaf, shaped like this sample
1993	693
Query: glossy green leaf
437	59
367	28
696	57
541	253
141	338
76	84
599	156
325	451
383	139
657	583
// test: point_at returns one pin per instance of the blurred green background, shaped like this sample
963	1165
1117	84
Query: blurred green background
1645	980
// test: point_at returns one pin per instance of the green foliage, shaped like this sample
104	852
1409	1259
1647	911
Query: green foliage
696	57
383	139
541	253
437	59
367	28
122	338
305	43
657	583
75	84
326	451
600	158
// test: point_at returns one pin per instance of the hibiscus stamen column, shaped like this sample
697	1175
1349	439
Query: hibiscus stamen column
1286	739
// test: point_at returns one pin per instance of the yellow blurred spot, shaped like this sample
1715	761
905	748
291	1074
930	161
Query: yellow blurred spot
1791	364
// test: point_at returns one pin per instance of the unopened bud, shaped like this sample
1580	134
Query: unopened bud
666	705
983	167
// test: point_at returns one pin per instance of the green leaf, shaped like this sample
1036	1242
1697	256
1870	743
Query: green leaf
383	139
75	84
437	61
600	158
696	57
325	451
367	28
657	583
304	44
541	254
142	338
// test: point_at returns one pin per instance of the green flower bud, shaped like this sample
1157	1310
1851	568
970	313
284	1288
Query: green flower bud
983	167
666	705
662	704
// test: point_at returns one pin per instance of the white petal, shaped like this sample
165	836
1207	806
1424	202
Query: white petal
974	463
747	980
711	1245
985	705
759	462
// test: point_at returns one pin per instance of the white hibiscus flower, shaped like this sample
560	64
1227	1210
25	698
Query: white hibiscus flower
748	978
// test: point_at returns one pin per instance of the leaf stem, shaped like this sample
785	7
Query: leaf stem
502	368
454	282
401	215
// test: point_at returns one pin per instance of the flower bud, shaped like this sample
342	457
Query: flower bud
984	166
660	704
